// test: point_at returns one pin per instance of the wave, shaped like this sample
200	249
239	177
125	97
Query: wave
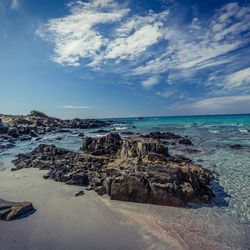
214	131
121	128
243	131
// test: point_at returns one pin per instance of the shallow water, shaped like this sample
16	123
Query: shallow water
212	136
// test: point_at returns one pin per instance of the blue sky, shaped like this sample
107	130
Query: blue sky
106	58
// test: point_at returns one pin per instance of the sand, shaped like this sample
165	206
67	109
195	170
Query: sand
63	221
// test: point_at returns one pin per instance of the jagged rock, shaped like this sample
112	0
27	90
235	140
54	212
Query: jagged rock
12	210
136	169
39	123
106	145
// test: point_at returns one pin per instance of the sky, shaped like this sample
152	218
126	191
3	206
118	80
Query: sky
109	58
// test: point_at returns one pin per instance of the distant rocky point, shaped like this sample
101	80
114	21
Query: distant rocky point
26	127
137	169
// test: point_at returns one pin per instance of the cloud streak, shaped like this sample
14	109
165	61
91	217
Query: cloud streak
75	107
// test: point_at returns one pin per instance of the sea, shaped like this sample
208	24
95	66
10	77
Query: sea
212	136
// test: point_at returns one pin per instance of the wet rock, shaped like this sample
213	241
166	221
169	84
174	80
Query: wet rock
127	133
12	210
13	132
81	134
236	146
162	136
185	141
138	169
6	145
25	138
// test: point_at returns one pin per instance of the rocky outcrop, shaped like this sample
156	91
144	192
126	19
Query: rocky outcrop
168	136
25	128
106	145
137	169
13	210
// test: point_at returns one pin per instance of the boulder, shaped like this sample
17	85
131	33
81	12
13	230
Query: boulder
106	145
12	210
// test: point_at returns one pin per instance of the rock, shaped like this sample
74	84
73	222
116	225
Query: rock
12	210
38	123
13	132
236	146
185	141
38	114
138	169
25	138
80	193
3	129
106	145
81	134
163	136
127	133
6	145
168	136
89	188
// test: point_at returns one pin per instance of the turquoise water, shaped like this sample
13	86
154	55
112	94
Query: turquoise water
212	136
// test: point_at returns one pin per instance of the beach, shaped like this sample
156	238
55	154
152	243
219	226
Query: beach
63	221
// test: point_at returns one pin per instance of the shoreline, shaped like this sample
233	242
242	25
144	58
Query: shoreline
62	221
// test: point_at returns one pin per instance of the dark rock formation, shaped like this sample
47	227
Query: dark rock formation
168	136
12	210
137	169
106	145
185	141
20	127
236	146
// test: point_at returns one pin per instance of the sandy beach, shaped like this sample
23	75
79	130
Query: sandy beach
63	221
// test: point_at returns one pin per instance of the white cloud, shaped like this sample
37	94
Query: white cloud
238	78
202	45
15	4
135	44
75	36
165	94
104	34
150	82
75	107
216	105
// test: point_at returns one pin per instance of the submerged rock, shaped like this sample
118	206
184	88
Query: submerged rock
137	169
12	210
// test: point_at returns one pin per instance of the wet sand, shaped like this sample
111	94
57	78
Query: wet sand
63	221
